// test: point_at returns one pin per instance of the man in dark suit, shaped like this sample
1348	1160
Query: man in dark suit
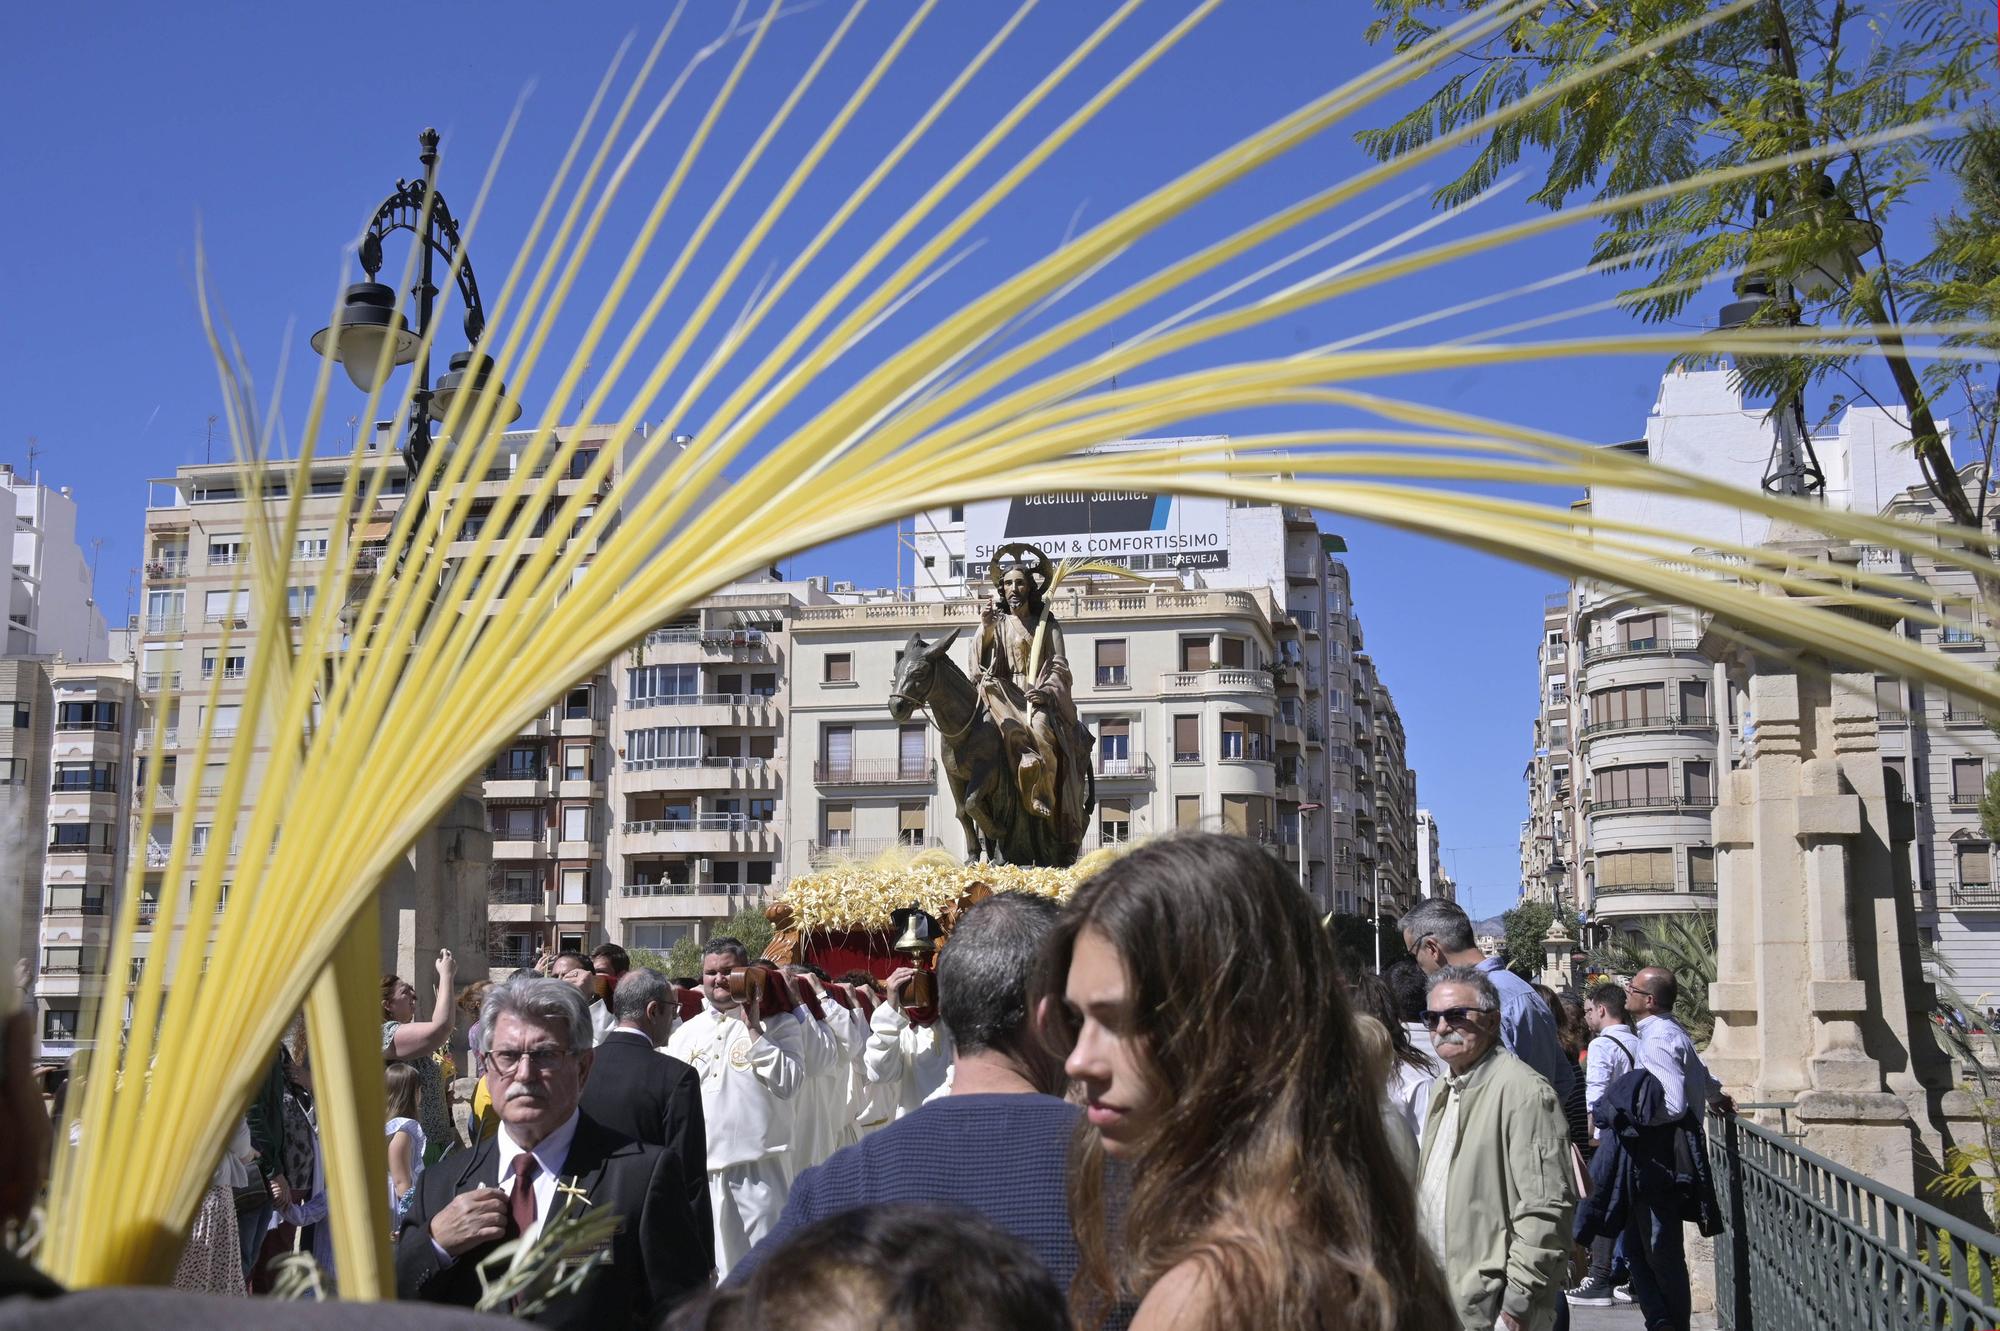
647	1095
538	1058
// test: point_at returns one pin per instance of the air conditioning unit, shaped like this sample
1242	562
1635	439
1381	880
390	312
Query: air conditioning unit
703	867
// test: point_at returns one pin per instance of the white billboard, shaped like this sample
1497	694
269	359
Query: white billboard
1122	526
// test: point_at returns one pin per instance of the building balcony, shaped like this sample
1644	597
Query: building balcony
819	854
159	624
735	644
704	834
170	569
1694	804
167	682
698	900
540	847
873	774
532	895
82	909
1607	651
711	709
1139	768
705	773
1971	896
1689	722
1300	569
511	787
1225	681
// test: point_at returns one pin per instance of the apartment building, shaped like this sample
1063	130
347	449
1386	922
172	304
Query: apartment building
1635	723
1330	785
90	825
27	705
545	797
1432	878
701	774
51	608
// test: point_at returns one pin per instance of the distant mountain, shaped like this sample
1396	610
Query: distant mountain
1491	926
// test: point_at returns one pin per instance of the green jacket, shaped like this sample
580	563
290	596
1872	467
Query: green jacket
1509	1195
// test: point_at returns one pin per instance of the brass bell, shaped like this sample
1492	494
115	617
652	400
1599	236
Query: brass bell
917	932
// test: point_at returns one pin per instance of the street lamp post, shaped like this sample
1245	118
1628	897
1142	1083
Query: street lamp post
371	315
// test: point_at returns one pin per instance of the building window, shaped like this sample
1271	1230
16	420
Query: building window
1233	654
1701	868
576	887
1698	782
659	746
836	825
225	550
910	829
1196	654
1968	780
576	762
522	762
836	752
839	668
759	873
576	822
22	719
1634	704
1187	811
60	1024
86	716
660	938
1111	663
1187	739
1889	700
764	685
957	567
1899	788
1638	784
1635	870
299	601
1114	822
656	684
1114	747
516	823
958	512
1641	632
1975	865
912	758
218	606
1234	734
1694	700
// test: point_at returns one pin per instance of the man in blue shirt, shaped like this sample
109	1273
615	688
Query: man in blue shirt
1438	934
998	1143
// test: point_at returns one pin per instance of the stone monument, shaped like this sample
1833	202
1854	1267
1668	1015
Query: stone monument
1818	999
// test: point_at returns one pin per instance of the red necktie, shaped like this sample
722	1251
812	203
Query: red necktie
523	1200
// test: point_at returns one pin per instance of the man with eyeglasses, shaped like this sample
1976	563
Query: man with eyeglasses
546	1153
1655	1247
1494	1192
1439	933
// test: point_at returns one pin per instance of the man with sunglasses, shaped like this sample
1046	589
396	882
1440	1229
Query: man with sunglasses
1439	933
1494	1194
546	1154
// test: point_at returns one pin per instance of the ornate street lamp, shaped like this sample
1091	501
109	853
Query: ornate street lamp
369	334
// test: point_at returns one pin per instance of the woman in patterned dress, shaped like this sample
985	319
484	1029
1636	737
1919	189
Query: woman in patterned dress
212	1262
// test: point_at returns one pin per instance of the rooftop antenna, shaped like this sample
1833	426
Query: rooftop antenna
34	451
208	448
96	551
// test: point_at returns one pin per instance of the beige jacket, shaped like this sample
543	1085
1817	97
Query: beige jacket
1509	1197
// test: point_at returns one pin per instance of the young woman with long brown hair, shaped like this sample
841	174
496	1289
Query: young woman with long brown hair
1204	1019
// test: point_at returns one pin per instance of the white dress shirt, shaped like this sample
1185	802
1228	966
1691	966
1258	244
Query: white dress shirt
1669	1054
1614	1051
551	1154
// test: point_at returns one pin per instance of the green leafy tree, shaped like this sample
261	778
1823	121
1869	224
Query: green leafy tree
1526	926
1683	943
684	958
1777	77
1354	937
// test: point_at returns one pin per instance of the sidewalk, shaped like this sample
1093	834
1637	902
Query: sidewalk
1623	1317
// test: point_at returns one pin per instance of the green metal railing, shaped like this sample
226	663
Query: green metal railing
1809	1243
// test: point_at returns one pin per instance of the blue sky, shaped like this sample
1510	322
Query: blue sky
273	130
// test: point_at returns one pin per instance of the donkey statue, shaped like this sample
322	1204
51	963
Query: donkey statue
998	825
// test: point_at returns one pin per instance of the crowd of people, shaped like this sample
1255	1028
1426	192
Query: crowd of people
1162	1105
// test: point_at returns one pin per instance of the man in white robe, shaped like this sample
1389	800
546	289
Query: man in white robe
910	1062
751	1068
819	1108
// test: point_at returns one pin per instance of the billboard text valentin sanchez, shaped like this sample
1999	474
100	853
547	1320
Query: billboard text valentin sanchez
1140	530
